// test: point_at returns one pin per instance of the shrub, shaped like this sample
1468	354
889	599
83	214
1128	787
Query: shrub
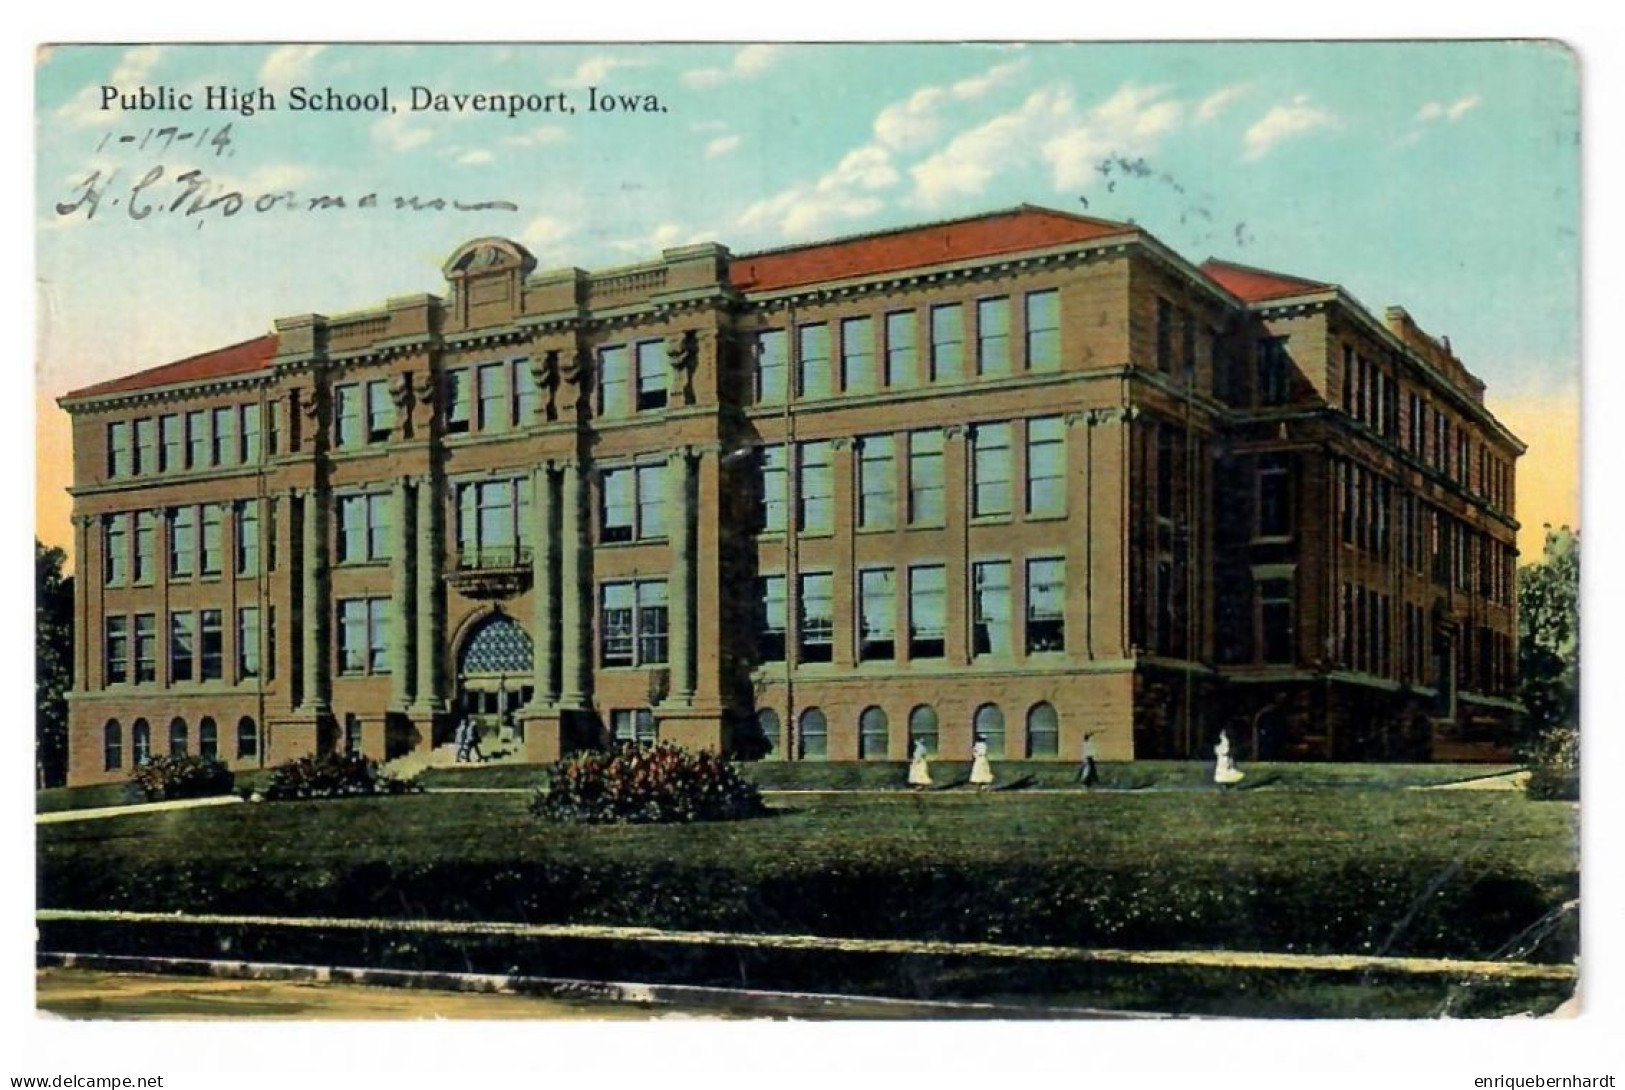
163	778
1554	765
644	785
334	775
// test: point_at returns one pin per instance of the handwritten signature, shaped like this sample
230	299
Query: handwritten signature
191	193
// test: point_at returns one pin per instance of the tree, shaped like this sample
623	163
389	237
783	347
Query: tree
1549	664
53	663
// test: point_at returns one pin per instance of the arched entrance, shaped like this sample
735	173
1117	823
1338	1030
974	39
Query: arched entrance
494	676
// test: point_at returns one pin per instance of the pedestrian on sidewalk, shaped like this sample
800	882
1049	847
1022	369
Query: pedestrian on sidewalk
474	751
919	769
1088	774
460	738
981	770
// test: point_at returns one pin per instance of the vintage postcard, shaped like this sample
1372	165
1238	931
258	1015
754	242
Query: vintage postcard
847	531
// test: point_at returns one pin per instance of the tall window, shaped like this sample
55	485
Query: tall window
815	501
354	735
633	503
1043	730
813	361
177	737
927	610
775	481
493	394
652	375
1165	335
380	411
877	615
146	647
993	336
772	364
1046	466
116	643
146	445
141	741
814	734
172	442
858	355
872	734
118	449
817	641
491	517
526	398
922	727
347	423
877	483
182	541
116	550
1044	330
364	635
197	440
633	623
208	739
1274	496
989	724
1046	605
990	613
248	739
248	537
1275	619
182	637
990	470
925	488
947	343
211	647
213	517
146	538
112	746
614	381
1273	385
253	451
248	642
901	341
459	399
771	618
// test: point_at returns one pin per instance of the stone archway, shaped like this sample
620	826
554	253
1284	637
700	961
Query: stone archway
494	675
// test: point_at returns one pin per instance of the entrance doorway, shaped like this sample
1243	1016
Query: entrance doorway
494	680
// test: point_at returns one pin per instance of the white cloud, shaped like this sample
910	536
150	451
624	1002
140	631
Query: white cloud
1433	111
916	120
399	133
1297	118
133	68
288	64
850	191
750	61
546	235
594	70
1213	105
538	137
722	145
475	157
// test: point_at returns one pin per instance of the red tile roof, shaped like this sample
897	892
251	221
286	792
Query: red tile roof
1254	285
1024	228
238	359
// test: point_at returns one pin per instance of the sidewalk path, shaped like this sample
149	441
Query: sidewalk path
133	808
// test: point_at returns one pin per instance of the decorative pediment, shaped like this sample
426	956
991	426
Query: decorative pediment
485	256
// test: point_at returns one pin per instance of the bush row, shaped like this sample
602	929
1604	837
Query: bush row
661	784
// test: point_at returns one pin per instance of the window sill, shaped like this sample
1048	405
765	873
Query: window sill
662	540
633	669
1046	516
874	529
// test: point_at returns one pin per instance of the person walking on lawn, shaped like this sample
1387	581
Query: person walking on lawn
919	769
981	770
1088	774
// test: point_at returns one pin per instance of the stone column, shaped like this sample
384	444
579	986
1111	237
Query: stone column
542	590
956	479
314	603
400	587
83	574
572	590
680	590
428	697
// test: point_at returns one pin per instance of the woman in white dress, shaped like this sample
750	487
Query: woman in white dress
981	772
919	769
1225	771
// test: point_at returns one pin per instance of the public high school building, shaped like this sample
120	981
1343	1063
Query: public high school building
1025	475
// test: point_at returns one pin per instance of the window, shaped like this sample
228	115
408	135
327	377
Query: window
817	642
208	739
182	636
1274	496
116	546
652	375
877	615
112	746
775	479
458	396
1046	605
146	446
815	502
197	440
364	528
772	363
248	739
814	734
633	623
1043	731
770	621
248	642
140	742
347	415
858	355
252	450
990	470
380	411
146	648
993	336
927	610
872	734
1275	619
1273	385
491	523
633	507
118	449
947	342
877	483
990	611
1187	345
363	635
634	726
1046	466
210	558
177	737
1165	335
922	727
182	541
925	490
901	334
614	381
210	648
354	735
1044	330
526	397
247	513
146	536
813	361
767	731
171	443
492	384
223	446
989	726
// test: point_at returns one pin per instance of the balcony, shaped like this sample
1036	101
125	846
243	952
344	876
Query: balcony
491	572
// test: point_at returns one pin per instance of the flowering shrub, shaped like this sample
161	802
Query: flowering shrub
334	775
645	785
181	778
